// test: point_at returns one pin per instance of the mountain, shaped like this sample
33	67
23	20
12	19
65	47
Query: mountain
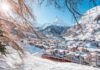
56	27
88	27
87	32
56	22
54	30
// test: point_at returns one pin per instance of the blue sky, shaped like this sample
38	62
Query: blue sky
47	14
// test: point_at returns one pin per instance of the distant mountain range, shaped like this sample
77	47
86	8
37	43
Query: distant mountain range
56	22
54	30
56	27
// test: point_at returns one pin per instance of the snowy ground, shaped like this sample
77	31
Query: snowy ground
37	63
12	61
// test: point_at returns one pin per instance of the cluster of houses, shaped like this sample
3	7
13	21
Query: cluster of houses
46	42
88	55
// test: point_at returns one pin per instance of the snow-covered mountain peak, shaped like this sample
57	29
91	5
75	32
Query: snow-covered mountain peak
57	21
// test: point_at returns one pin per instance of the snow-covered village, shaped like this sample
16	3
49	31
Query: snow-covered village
49	34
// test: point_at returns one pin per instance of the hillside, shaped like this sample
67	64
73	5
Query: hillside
89	27
54	30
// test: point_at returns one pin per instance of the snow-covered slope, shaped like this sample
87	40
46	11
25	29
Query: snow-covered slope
89	27
37	63
11	60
